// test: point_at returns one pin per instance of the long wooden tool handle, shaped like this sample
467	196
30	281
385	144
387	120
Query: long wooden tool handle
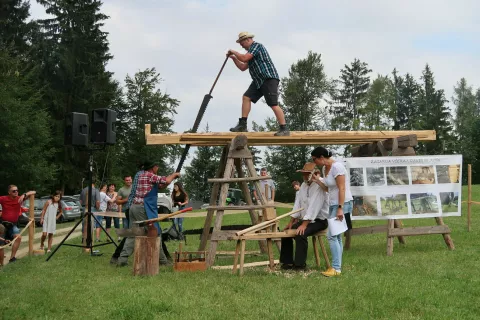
164	217
266	223
203	108
218	76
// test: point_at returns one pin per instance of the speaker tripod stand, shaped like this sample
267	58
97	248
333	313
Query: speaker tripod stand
88	217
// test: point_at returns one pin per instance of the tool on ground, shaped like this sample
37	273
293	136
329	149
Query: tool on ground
203	107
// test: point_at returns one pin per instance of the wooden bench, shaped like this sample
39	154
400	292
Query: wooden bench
269	237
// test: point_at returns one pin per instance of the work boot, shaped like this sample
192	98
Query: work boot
282	132
241	126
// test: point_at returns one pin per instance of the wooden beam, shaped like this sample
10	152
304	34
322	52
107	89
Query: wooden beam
246	208
369	230
246	265
295	138
221	180
418	231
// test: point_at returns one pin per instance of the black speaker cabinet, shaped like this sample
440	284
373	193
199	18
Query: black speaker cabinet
103	126
76	129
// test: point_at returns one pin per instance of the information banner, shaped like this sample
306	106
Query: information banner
405	187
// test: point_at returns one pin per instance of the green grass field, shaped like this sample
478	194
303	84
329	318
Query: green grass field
422	280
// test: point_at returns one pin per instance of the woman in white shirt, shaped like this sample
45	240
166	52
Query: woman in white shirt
340	201
104	200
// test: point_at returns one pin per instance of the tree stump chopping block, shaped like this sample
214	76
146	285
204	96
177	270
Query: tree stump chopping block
146	258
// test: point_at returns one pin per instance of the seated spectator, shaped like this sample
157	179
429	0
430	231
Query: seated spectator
11	205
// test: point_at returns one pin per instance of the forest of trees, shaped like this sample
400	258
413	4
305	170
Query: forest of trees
54	66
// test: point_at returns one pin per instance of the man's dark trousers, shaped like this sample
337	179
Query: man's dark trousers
301	241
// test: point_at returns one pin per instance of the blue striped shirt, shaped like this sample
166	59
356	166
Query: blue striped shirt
261	66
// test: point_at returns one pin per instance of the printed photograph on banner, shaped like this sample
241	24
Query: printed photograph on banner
395	204
448	173
365	206
397	176
376	177
356	177
423	174
449	201
423	203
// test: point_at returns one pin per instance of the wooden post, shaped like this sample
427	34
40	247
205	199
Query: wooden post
390	226
146	258
469	212
31	230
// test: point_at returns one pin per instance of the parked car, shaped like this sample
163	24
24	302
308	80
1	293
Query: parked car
37	209
70	208
74	199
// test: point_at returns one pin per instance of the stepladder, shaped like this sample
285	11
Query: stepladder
236	166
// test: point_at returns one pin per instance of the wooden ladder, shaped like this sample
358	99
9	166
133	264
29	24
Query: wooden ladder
234	157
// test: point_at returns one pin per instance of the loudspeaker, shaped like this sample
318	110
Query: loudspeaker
103	126
76	129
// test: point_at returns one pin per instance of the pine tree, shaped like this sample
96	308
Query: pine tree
405	96
25	145
379	107
434	115
465	122
302	95
73	52
350	97
15	31
145	103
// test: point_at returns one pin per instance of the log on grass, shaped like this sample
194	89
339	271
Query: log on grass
146	258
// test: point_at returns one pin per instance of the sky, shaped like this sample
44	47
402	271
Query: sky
186	42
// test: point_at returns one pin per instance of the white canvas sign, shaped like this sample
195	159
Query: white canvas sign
405	187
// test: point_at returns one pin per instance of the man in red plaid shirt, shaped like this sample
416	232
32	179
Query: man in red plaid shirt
145	205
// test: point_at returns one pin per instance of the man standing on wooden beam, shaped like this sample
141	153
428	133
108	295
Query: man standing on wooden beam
308	222
265	81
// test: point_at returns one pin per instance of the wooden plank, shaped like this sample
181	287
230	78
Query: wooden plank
232	253
381	149
223	235
446	236
246	208
235	257
399	224
31	230
266	223
368	230
315	250
418	231
246	265
268	235
270	253
295	138
469	207
242	256
222	180
391	226
407	141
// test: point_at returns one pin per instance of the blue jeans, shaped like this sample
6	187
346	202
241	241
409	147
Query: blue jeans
336	245
179	221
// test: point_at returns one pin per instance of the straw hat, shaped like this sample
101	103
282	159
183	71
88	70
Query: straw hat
308	167
244	35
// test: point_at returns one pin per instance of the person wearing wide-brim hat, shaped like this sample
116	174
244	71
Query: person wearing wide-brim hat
309	221
265	81
144	204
